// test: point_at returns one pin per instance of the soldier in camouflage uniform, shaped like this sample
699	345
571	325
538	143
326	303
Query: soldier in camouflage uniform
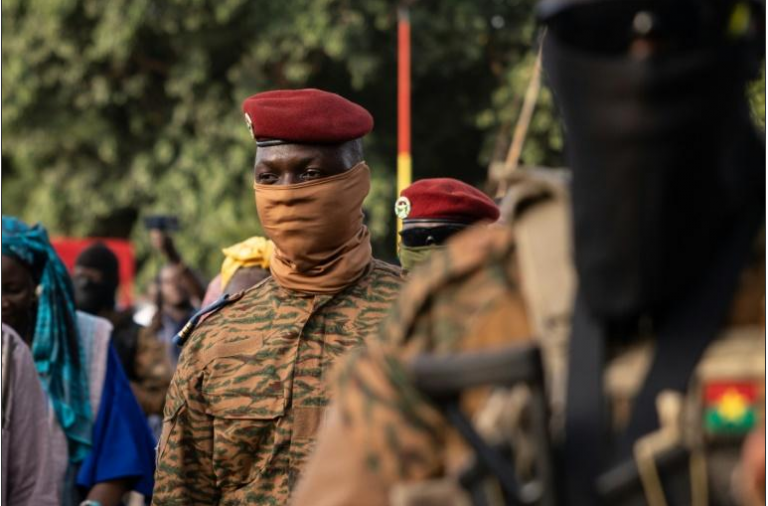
654	363
250	390
432	211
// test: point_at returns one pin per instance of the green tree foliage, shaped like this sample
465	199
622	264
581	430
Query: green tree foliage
115	110
757	99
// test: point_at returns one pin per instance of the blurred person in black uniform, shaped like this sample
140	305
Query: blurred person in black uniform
668	209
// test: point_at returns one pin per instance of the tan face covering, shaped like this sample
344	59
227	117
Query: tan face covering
321	244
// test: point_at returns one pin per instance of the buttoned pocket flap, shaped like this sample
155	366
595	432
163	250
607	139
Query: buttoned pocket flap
235	389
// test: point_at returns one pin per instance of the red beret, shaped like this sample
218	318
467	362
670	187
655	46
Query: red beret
304	116
445	199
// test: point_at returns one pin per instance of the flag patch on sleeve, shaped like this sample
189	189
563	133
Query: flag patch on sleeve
730	407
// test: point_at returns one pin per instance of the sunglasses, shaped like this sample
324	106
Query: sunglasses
416	237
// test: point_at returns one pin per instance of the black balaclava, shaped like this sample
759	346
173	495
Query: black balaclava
93	297
653	189
667	195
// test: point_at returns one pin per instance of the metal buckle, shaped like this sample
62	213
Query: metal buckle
669	406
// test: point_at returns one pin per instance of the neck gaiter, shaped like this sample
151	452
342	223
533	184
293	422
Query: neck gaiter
655	187
321	244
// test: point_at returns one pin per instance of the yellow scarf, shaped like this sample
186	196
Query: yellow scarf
253	252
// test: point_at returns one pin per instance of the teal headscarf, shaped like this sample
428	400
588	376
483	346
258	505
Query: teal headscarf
60	361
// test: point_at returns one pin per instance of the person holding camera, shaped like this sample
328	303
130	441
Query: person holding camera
179	290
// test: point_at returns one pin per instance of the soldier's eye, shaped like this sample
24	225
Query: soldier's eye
266	178
310	174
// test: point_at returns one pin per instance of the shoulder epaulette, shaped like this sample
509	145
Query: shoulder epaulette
226	299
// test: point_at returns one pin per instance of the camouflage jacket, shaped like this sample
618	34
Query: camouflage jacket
250	389
382	433
466	297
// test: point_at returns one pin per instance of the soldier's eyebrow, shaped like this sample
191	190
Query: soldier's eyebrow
280	164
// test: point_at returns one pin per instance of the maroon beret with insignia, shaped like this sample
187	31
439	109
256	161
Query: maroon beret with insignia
307	116
445	199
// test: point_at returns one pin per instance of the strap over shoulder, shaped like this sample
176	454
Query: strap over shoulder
538	207
226	299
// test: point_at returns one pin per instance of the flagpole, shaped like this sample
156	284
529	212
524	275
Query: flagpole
404	167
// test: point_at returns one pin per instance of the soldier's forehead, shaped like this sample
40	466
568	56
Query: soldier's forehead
288	152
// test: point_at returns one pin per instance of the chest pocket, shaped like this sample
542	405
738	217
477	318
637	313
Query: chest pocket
246	397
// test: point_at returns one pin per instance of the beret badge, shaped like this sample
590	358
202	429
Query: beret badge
402	208
249	124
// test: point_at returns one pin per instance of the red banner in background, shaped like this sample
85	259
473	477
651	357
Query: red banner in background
69	248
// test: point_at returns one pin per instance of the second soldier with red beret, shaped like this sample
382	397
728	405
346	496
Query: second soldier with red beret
250	391
433	210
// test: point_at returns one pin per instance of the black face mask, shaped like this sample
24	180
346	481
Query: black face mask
655	183
93	297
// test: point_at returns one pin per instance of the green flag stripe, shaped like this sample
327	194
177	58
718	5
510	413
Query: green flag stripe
714	422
